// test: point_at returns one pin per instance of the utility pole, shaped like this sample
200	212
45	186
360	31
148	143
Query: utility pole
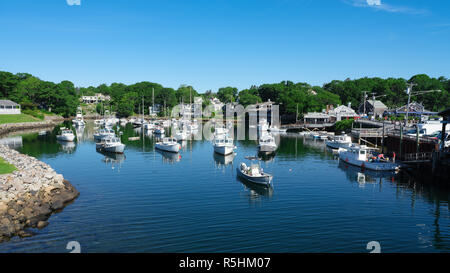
408	91
364	102
373	105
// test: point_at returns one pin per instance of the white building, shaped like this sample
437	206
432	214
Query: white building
95	99
342	112
9	107
217	104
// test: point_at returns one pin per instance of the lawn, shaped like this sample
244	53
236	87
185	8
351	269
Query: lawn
17	118
5	167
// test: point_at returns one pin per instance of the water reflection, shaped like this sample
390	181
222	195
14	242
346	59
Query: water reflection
223	160
356	174
169	157
67	147
113	160
13	142
254	191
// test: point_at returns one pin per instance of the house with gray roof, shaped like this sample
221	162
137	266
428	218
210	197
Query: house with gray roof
8	107
373	106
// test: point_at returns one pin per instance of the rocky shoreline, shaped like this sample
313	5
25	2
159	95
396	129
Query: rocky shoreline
29	195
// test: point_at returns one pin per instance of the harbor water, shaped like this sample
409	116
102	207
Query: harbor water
150	201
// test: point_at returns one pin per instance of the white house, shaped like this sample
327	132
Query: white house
95	99
342	112
9	107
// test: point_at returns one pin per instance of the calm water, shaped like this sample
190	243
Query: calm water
146	201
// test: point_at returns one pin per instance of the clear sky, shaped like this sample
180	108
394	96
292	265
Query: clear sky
214	43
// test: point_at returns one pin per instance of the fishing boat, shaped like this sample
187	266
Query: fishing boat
65	135
181	135
168	144
79	121
223	145
254	174
102	133
110	144
267	143
364	157
339	141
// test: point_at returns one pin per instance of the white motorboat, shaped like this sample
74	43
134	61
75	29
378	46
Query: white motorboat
267	143
79	121
66	135
341	141
275	129
168	144
363	157
254	174
110	144
149	126
181	135
223	145
102	133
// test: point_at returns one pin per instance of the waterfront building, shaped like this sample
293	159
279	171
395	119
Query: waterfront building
373	108
342	112
415	109
8	107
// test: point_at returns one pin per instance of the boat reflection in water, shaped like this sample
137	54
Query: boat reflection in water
262	156
113	159
169	157
67	147
356	174
255	191
221	161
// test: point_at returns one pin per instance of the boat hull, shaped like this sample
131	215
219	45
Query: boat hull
118	149
337	145
267	148
374	166
224	150
262	180
67	138
168	148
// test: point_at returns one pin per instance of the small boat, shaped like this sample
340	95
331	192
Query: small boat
110	144
275	129
223	145
102	133
267	143
181	135
363	157
149	126
341	141
254	174
66	135
168	144
79	121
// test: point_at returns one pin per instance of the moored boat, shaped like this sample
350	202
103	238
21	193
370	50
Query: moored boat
223	145
341	141
267	143
363	157
65	135
254	174
168	144
110	144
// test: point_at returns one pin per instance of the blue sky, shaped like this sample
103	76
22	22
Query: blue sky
214	43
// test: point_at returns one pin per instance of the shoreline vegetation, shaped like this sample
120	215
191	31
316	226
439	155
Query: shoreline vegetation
35	95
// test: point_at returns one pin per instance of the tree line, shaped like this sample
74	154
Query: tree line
63	98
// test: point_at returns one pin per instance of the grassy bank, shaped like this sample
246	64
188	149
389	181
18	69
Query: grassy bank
5	167
17	118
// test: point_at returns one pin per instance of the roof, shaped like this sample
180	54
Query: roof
8	103
316	115
377	104
342	109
